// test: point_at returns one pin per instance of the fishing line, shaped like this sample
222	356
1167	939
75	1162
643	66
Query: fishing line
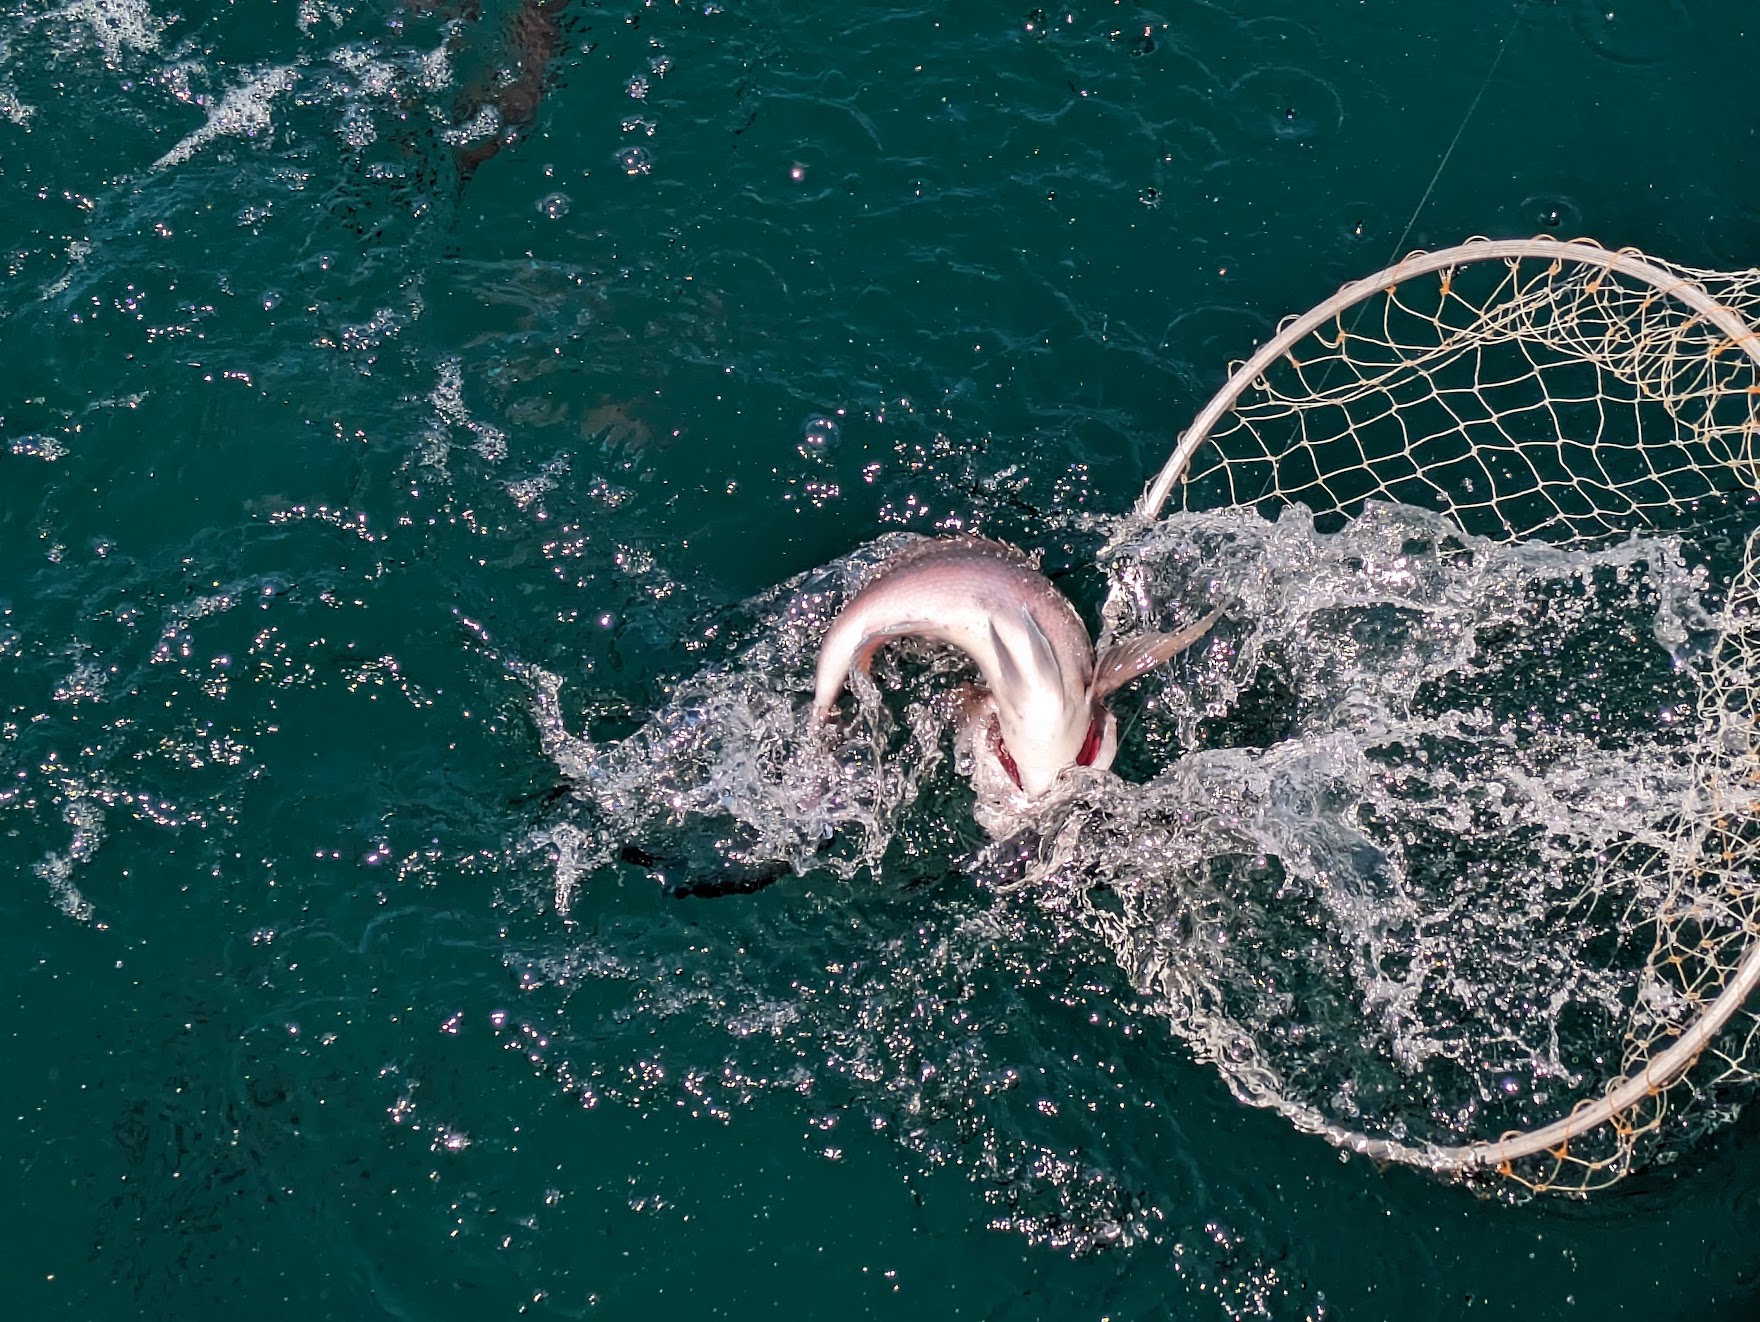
1441	165
1436	175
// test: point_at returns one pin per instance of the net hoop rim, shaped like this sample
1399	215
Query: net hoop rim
1626	261
1658	1073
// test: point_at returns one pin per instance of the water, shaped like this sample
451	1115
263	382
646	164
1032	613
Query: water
334	422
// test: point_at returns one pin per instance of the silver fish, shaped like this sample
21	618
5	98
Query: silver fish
1043	706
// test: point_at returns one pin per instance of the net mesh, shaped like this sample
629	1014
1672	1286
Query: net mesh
1531	390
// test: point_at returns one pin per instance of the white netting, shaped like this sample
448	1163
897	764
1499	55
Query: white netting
1536	394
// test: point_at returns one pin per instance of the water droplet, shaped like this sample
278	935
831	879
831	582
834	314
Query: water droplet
1286	104
270	299
1149	197
554	205
1291	122
635	160
1036	23
1549	211
1144	44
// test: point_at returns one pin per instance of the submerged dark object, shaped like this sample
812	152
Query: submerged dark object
681	882
511	92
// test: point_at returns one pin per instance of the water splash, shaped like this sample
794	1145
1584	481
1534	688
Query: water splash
1394	868
731	772
118	28
241	112
1388	859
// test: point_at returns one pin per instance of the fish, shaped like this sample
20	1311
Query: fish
680	882
533	36
1042	705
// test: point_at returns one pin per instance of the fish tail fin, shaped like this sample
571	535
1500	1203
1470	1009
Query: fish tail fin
1119	664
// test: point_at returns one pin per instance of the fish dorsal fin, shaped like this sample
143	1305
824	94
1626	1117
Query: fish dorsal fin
1122	662
919	549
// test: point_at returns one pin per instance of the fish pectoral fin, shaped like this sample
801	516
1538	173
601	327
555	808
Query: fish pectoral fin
1008	673
1119	664
1011	675
1045	656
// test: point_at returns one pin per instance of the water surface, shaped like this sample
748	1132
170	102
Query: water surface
324	405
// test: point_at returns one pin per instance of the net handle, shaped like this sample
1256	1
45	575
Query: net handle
1586	251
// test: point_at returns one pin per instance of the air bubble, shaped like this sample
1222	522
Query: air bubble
1288	105
820	432
1290	122
1552	213
635	160
554	205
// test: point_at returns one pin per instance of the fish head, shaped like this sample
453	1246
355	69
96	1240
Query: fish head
1046	720
1004	782
1034	746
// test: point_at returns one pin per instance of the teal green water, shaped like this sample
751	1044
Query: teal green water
316	411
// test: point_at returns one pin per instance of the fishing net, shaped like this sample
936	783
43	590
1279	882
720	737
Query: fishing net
1533	399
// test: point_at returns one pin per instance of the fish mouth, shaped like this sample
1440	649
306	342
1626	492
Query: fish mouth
1095	739
1093	745
999	751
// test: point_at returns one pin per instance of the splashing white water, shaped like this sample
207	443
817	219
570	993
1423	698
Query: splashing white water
731	771
1393	872
118	28
1384	864
242	112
